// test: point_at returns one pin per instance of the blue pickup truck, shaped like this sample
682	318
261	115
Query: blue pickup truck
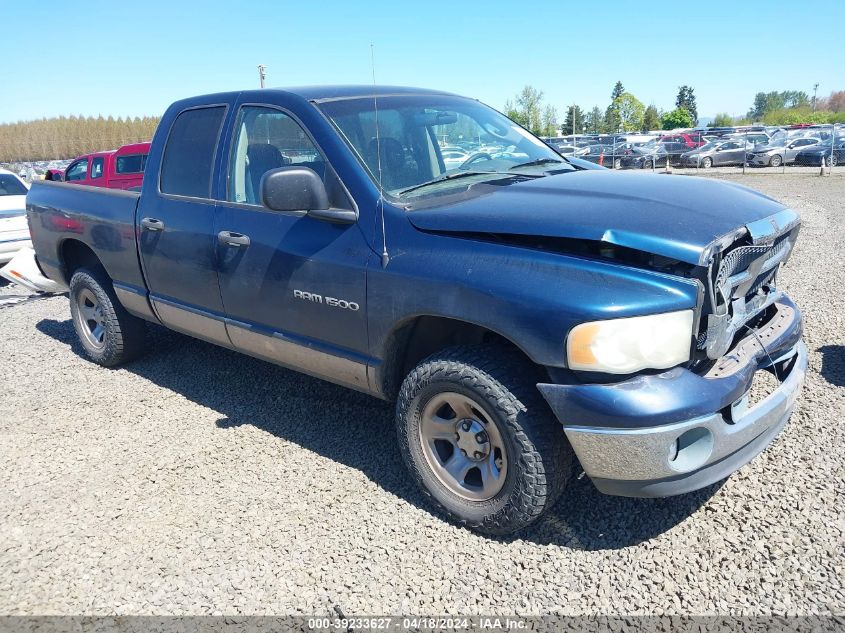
526	314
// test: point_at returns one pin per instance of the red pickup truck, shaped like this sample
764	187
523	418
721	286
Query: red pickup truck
118	169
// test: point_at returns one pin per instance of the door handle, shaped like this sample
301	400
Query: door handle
151	224
233	239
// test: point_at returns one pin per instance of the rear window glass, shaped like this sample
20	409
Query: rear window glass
189	154
97	168
11	186
131	164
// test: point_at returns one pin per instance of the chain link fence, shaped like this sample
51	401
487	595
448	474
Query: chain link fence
809	149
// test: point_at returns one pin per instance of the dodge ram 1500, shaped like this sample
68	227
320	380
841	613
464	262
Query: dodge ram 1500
525	314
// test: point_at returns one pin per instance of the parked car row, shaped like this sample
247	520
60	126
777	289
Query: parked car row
760	146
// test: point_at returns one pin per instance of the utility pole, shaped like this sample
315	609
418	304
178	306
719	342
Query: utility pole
262	73
815	90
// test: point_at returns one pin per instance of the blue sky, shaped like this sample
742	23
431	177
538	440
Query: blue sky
122	58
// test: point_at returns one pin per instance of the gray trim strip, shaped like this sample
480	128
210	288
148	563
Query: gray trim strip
135	301
281	351
195	323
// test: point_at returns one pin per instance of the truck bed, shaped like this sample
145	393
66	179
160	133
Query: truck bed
101	219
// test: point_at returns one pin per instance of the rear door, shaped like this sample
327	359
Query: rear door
177	241
97	172
293	287
796	146
730	153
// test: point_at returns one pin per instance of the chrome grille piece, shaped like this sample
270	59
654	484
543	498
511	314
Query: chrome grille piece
743	287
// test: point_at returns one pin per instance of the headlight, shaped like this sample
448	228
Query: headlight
623	346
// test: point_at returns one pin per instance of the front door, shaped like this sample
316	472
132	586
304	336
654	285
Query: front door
293	287
177	239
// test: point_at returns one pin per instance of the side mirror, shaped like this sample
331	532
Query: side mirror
299	189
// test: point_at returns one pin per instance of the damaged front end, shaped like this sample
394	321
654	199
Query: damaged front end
741	282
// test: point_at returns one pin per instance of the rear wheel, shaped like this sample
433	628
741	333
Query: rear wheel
480	441
775	161
108	333
647	164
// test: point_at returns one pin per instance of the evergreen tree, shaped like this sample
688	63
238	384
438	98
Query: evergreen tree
686	100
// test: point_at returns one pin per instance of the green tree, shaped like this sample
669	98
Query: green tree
722	119
550	126
529	102
618	91
678	117
527	109
515	114
765	102
686	100
593	121
651	119
575	123
626	113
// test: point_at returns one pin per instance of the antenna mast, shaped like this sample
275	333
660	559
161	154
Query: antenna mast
385	258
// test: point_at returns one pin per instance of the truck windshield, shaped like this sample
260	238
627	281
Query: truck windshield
428	143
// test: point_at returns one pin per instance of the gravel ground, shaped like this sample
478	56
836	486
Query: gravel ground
196	480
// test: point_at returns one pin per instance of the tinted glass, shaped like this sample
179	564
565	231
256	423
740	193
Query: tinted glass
77	171
97	168
267	139
131	164
11	186
400	143
189	153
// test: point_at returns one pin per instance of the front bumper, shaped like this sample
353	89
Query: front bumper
759	160
670	433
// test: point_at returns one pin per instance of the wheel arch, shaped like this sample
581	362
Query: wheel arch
418	337
75	254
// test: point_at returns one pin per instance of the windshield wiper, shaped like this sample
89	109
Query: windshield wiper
539	161
445	177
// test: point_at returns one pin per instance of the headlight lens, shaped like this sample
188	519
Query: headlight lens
623	346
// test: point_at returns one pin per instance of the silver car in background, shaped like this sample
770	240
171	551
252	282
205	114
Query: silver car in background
780	151
716	153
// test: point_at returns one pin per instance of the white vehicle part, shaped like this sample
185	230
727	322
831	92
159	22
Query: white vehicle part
23	270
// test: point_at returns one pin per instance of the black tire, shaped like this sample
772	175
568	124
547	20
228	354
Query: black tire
647	164
122	336
706	162
503	384
775	161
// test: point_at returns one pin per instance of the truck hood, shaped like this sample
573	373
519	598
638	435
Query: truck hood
680	217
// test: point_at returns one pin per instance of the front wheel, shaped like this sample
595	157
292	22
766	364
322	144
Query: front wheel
480	441
706	162
775	161
108	333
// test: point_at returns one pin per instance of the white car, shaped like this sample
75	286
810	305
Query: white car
454	158
14	230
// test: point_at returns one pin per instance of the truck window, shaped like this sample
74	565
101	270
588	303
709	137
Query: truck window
266	139
77	170
97	167
189	154
131	164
